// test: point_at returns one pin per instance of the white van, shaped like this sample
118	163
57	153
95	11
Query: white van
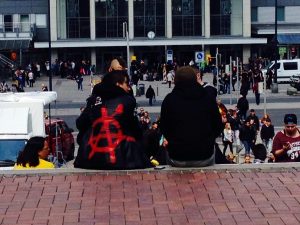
285	69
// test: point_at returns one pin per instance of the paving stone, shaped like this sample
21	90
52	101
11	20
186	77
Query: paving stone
214	197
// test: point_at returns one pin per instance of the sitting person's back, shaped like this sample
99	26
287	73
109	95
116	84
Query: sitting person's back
190	121
109	133
34	155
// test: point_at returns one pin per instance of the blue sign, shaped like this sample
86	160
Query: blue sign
170	55
199	57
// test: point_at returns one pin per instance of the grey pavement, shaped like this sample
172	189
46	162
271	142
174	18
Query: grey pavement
68	93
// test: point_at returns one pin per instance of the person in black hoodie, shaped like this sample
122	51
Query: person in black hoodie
267	133
190	121
253	116
109	133
248	136
242	107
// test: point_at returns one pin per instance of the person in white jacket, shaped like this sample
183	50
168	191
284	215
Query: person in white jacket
227	138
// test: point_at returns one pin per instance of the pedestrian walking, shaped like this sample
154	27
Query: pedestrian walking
242	106
227	138
150	94
31	78
247	136
267	133
170	77
79	80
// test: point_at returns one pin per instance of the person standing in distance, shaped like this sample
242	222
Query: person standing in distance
150	94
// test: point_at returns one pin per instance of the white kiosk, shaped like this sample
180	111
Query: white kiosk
21	117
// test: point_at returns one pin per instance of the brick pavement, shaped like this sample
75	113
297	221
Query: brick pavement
216	197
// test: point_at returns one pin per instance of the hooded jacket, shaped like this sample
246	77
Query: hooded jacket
190	121
112	96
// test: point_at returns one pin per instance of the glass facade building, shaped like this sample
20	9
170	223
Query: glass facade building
149	16
110	16
188	17
94	29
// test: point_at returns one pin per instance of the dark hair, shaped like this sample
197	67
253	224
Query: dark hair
290	119
185	75
30	152
121	62
259	152
197	70
114	77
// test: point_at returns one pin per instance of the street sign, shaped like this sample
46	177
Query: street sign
170	55
199	57
282	50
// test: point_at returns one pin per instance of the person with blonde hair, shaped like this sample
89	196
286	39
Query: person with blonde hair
117	64
227	138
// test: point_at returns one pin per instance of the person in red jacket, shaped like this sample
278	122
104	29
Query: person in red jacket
286	143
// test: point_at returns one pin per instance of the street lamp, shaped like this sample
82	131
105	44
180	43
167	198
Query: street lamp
275	84
125	35
49	50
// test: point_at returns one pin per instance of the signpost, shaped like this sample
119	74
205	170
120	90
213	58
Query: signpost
199	57
169	56
282	51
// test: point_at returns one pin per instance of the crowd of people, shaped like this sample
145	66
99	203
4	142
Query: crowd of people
113	135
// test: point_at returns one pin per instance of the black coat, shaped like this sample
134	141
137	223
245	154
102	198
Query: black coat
150	92
242	105
256	121
247	133
111	97
190	121
267	132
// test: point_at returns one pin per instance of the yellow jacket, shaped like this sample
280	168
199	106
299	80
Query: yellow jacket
42	165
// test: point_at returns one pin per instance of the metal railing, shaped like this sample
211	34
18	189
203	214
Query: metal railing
18	27
6	61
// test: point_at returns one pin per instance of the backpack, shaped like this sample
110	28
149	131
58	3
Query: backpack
105	146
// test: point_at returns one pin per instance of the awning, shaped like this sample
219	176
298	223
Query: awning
288	38
14	44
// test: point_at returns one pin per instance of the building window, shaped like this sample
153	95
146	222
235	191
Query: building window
149	16
280	13
78	19
8	23
187	18
253	14
41	20
226	18
24	23
220	17
110	16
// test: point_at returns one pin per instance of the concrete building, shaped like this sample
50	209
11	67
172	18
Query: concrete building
95	29
288	26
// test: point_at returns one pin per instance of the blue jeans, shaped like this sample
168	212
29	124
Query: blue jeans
248	145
